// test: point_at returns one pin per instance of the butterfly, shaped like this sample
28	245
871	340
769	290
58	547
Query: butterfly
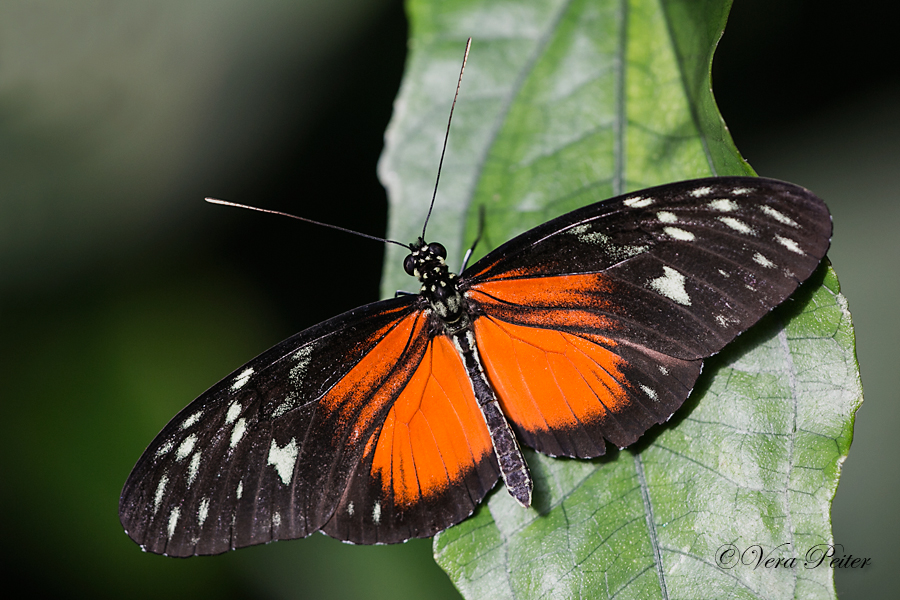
394	420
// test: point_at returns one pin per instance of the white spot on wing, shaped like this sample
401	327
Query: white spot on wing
193	467
638	202
192	419
762	260
160	489
650	392
240	489
276	521
665	216
671	285
233	411
173	520
203	511
242	379
350	508
701	191
789	244
723	205
679	234
240	428
737	225
186	447
376	512
663	370
741	191
724	274
283	459
289	404
302	357
614	251
165	448
780	217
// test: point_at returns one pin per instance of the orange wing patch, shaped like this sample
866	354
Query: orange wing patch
353	398
584	298
552	382
434	434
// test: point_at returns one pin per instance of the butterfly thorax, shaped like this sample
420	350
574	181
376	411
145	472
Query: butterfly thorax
439	285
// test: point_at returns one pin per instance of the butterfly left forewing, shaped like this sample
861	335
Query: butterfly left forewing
637	290
266	453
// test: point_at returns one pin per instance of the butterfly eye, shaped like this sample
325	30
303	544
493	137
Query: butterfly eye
409	265
437	249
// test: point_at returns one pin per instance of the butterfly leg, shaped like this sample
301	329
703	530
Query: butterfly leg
509	455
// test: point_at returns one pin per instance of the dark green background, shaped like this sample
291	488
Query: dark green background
123	296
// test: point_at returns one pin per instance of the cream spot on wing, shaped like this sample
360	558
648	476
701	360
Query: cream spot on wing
186	447
762	260
679	234
203	511
165	448
724	274
650	392
240	428
276	521
193	467
780	217
701	191
242	379
723	205
665	216
350	508
192	419
233	411
638	202
789	244
741	191
735	224
283	459
671	285
376	512
173	520
616	252
240	489
302	357
663	370
160	489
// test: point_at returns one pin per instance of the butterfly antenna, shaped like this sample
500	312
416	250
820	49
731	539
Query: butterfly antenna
468	255
446	136
284	214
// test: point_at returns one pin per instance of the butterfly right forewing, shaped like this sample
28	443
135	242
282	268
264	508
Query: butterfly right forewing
616	304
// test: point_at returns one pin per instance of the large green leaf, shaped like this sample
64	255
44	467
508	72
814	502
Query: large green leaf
565	103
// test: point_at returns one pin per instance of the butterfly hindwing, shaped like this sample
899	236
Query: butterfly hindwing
637	290
428	466
273	450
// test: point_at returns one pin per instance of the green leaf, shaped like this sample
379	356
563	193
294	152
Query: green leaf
565	103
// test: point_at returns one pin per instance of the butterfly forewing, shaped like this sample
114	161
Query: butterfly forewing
594	324
265	454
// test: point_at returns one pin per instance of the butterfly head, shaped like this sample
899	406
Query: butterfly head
439	286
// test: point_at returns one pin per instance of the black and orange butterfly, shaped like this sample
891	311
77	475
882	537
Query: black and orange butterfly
394	420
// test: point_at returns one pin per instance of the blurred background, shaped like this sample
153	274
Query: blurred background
123	295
